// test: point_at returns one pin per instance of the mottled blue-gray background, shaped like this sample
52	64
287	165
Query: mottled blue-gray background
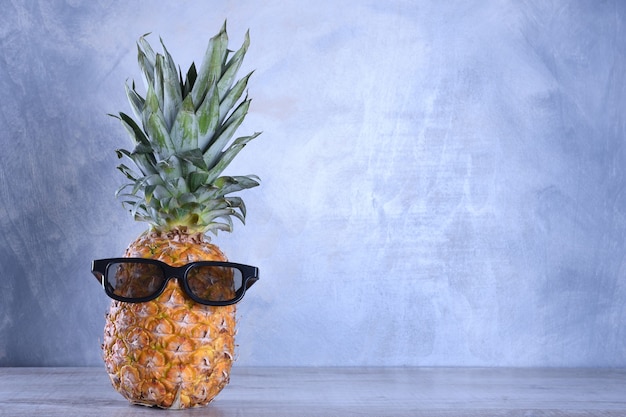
444	182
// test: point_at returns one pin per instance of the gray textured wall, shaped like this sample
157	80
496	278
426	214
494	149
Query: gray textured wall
443	181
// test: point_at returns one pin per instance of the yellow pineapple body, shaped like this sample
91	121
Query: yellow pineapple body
170	352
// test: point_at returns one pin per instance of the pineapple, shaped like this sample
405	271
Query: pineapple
172	352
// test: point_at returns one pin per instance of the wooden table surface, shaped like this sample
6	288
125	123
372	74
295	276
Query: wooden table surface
336	392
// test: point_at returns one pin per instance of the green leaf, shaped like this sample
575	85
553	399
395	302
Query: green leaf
181	186
208	119
140	184
143	160
147	49
137	135
190	79
188	200
170	169
233	65
213	227
238	115
158	132
172	95
151	105
227	156
160	193
148	192
211	68
147	60
139	211
158	80
217	214
194	157
171	65
233	96
135	100
155	126
227	185
129	173
237	202
184	133
212	154
196	180
119	193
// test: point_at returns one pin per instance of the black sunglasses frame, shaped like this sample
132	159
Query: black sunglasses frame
99	268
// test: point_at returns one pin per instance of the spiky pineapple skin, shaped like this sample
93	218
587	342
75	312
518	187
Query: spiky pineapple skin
170	352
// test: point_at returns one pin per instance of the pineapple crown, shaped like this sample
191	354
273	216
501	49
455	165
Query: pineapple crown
184	140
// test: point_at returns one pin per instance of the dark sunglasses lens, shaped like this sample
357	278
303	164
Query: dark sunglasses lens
215	283
134	279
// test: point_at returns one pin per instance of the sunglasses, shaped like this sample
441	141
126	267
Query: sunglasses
136	280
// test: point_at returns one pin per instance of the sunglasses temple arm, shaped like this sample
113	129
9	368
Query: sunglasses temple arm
99	277
251	282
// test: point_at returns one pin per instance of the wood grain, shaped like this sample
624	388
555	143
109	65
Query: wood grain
322	392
